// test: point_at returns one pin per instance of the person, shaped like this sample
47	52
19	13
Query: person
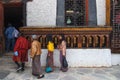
50	48
62	48
9	37
36	55
21	52
15	33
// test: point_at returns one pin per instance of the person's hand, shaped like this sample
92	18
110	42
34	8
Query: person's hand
58	46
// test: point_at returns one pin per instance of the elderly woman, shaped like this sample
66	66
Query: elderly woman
36	55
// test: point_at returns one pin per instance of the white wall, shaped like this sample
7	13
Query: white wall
82	57
115	59
41	13
101	12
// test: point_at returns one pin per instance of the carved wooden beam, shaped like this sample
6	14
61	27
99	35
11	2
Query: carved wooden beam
93	37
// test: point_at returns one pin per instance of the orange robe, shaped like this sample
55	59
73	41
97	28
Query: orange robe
21	46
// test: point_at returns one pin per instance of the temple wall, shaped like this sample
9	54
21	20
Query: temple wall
101	12
81	57
115	59
41	13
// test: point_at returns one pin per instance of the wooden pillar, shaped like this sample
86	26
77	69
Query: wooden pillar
94	41
107	41
2	46
87	45
80	41
24	13
108	9
101	40
86	9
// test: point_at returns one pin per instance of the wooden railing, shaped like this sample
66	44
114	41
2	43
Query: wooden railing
82	37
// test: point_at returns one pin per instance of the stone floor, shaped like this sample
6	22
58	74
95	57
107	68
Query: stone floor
7	72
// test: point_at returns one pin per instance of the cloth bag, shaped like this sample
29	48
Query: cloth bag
48	68
64	62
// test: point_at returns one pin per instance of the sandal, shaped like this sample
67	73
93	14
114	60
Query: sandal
40	76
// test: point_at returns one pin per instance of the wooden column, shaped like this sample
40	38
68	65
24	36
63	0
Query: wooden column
2	46
101	40
86	5
107	41
24	12
108	9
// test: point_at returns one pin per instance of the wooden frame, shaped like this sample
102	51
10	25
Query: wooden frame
108	12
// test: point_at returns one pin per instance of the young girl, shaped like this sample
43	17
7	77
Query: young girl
62	48
49	61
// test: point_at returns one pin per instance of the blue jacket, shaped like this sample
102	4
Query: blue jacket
9	32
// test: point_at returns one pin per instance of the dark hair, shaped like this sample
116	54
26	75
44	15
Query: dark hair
63	38
9	24
49	37
20	34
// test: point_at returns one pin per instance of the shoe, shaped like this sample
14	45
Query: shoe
22	69
40	76
17	70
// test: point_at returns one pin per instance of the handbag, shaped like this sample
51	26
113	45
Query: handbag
64	62
48	69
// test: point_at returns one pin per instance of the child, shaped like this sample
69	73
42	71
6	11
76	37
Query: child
49	60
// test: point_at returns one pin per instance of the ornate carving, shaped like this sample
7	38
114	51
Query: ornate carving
75	37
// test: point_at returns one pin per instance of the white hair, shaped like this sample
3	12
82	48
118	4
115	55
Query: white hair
34	36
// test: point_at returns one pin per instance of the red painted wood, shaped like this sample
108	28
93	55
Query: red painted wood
86	7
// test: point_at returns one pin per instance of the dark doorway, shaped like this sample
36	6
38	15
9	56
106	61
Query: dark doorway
13	13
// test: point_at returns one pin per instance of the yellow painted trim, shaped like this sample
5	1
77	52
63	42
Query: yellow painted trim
33	28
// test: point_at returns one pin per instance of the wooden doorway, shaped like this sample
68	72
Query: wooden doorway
9	13
13	13
1	29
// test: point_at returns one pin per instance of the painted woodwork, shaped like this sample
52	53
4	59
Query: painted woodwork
108	12
81	37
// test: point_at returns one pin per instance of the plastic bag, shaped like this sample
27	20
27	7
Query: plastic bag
16	53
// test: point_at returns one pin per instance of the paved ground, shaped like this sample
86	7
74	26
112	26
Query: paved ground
7	72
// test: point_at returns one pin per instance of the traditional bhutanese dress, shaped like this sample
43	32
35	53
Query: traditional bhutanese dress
22	47
36	55
50	61
62	53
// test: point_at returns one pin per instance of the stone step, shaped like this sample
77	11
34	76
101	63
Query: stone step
8	54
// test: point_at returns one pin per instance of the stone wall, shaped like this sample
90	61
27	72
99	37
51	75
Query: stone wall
41	13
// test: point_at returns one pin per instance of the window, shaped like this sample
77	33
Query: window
75	13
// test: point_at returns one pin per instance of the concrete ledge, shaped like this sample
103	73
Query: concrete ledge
81	57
